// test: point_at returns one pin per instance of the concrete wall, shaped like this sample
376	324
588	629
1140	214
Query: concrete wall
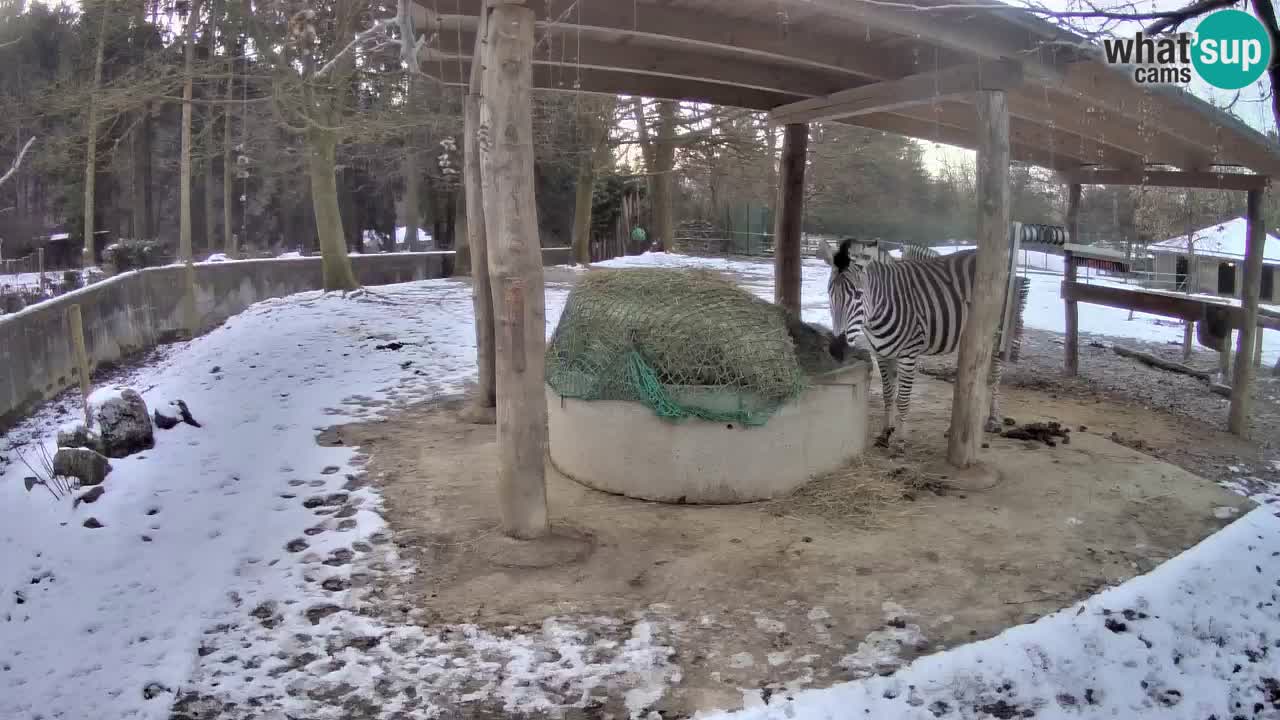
136	311
625	448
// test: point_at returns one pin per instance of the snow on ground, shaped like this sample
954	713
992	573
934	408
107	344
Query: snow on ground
91	617
213	524
1196	638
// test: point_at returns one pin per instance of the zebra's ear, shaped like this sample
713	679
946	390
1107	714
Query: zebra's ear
825	252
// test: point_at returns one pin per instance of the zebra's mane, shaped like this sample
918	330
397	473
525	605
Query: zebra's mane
842	259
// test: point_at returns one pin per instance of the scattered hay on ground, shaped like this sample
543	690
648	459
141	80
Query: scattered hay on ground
870	493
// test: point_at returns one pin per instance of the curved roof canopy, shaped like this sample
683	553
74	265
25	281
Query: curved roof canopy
908	68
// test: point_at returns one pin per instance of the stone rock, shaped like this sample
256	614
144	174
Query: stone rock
177	412
125	425
78	436
87	465
92	523
88	496
163	421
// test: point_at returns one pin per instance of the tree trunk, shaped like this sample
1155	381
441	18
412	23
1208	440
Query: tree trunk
663	229
184	161
462	248
228	168
511	219
89	258
481	290
582	208
977	342
141	175
211	113
412	176
322	164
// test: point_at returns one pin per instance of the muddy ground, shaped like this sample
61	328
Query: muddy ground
768	598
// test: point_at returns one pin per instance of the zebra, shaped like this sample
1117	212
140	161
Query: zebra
904	309
1021	289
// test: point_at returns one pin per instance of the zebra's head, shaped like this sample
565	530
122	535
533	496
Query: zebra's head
844	292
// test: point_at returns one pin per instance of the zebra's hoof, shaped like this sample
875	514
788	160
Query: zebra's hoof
994	425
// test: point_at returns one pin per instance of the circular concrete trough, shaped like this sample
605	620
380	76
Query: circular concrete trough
624	448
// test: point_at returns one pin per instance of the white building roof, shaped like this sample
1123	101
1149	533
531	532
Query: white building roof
1225	240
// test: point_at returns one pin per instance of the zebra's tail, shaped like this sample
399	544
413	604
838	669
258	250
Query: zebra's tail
1023	289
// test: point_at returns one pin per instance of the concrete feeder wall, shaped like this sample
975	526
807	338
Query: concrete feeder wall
626	449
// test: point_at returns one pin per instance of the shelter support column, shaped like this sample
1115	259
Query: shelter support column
789	218
1071	348
1242	379
977	344
515	267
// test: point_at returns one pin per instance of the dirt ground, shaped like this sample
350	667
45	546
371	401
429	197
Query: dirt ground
772	597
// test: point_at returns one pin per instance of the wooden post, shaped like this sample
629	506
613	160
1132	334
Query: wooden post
75	324
40	263
481	290
789	218
1257	350
1242	381
977	343
1071	349
515	267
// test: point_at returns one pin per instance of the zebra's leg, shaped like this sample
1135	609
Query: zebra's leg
906	379
995	420
889	385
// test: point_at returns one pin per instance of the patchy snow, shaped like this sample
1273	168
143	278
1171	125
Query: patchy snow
1226	240
206	577
105	613
1195	638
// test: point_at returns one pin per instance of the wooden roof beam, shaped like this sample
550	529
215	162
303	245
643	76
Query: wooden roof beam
911	90
960	137
1053	141
1168	113
1166	178
456	72
571	53
702	32
1110	128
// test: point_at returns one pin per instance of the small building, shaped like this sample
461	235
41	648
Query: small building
1218	265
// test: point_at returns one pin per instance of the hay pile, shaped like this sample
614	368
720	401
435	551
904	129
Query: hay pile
686	343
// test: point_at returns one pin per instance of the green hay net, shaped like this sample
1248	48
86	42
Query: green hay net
685	343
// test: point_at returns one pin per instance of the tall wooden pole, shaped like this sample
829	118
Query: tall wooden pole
977	343
1071	349
1242	381
789	220
481	290
515	266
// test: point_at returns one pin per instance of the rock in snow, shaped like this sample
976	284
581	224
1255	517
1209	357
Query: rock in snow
163	421
76	435
168	419
88	496
85	464
125	425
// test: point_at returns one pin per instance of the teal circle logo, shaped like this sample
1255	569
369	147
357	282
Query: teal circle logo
1231	49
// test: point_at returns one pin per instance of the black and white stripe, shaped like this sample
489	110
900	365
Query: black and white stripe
904	310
